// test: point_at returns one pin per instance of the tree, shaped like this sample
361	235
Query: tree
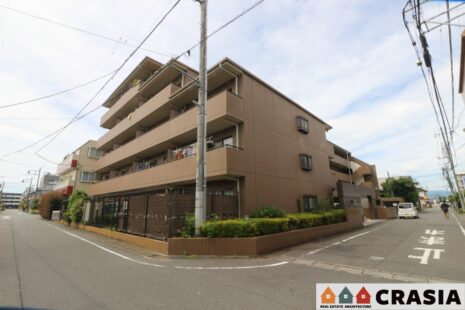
75	207
404	187
35	203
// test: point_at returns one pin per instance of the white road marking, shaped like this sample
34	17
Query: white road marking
345	240
458	223
167	266
356	236
317	250
434	232
426	253
6	217
431	240
376	258
336	243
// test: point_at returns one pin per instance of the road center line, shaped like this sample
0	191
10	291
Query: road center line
167	266
458	223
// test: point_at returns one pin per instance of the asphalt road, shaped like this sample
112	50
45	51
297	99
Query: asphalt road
50	266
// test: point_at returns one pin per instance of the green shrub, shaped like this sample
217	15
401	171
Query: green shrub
75	208
228	228
267	212
189	226
267	226
264	226
307	220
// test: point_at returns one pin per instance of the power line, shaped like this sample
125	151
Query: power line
222	27
101	36
76	117
58	131
57	93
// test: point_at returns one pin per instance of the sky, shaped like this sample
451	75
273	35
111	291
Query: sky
349	62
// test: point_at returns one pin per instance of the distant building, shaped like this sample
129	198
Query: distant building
48	182
76	172
423	197
11	200
461	181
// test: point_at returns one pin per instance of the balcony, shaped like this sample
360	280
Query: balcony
125	104
222	109
69	163
339	160
151	112
221	162
362	171
64	187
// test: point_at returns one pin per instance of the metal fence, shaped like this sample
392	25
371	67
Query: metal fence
157	214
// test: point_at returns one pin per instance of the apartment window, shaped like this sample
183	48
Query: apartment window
305	162
87	176
302	124
92	152
310	203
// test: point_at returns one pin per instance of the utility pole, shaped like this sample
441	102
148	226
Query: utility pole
38	177
201	181
387	181
29	193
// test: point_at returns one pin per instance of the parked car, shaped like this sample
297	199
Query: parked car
407	210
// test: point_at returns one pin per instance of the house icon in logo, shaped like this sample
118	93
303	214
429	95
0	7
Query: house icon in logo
363	297
328	296
345	296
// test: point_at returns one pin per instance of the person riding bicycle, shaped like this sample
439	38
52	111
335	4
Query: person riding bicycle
445	209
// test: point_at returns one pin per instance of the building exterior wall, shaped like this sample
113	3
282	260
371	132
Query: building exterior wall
70	178
10	200
264	157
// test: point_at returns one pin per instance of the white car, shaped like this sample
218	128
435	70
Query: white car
407	209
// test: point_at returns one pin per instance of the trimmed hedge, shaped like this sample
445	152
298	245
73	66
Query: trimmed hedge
264	226
267	212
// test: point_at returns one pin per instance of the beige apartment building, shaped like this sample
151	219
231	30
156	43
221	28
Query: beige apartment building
76	169
263	148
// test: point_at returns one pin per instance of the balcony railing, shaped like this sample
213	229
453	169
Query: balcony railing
68	164
127	101
222	160
127	127
223	106
64	187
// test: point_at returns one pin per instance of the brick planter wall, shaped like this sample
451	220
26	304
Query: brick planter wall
253	246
